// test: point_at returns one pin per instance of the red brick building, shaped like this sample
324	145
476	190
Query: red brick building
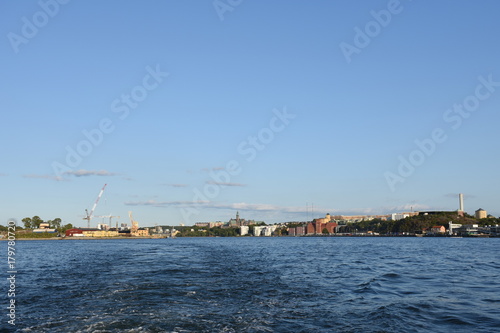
318	225
73	232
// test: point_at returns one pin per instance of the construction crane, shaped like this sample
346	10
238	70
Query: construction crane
110	217
88	216
135	224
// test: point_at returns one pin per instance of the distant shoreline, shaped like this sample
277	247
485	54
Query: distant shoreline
78	238
302	236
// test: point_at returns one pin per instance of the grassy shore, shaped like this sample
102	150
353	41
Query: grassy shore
76	238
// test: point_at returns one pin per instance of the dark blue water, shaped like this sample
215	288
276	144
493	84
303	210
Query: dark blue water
258	285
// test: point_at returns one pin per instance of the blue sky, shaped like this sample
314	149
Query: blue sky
288	103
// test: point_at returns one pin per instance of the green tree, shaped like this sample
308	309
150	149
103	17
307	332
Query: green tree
66	227
325	231
55	223
28	224
35	222
282	231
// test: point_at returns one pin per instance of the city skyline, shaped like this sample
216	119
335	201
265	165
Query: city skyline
191	111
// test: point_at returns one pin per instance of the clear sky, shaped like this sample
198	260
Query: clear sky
192	110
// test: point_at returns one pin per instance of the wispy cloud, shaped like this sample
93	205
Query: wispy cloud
213	169
382	210
76	173
86	173
407	207
259	207
223	183
50	177
155	203
176	185
283	211
214	205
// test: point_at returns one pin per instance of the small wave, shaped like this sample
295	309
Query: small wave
391	275
456	320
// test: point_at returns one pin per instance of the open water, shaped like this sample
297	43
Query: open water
308	284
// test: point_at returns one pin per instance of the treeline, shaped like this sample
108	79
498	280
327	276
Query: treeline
34	222
414	224
207	232
29	223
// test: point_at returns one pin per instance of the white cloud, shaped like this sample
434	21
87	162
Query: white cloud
85	173
281	212
155	203
50	177
76	173
214	205
223	183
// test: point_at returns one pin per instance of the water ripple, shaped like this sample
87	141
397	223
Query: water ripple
259	285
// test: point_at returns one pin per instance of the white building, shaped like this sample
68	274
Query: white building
399	216
452	226
257	231
244	230
264	230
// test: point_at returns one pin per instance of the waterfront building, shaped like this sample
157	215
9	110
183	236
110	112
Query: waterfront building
236	222
468	230
75	232
264	230
112	232
358	218
301	230
437	229
99	233
318	225
44	227
244	230
495	230
90	232
209	224
141	232
257	231
401	216
452	227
